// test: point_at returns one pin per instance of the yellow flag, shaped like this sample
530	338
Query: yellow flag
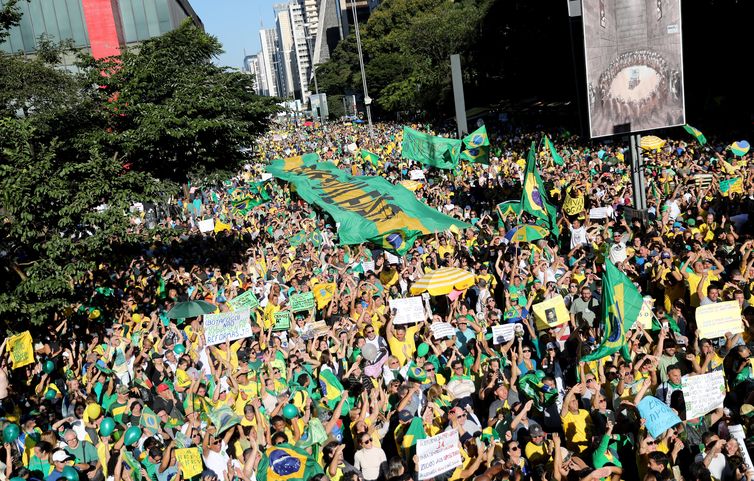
728	167
21	349
220	226
190	461
323	293
573	205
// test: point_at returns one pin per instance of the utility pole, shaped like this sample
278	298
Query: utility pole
367	100
314	74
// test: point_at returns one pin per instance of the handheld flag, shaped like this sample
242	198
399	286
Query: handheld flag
698	135
371	157
284	462
554	153
477	146
621	305
330	387
428	149
534	197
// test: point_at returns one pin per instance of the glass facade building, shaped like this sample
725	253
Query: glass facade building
130	21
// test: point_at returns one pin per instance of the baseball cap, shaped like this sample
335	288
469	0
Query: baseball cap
405	415
60	456
162	387
665	255
536	430
121	389
550	345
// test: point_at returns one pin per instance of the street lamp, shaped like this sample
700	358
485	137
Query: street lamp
367	99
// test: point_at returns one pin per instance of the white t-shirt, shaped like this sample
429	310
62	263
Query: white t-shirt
217	462
368	462
578	236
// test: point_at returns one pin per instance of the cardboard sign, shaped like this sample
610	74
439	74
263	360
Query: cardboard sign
190	460
245	301
302	302
550	313
416	174
715	320
409	310
438	454
226	326
503	334
658	415
207	225
703	393
314	330
442	330
282	321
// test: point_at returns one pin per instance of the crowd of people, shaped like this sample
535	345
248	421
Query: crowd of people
119	390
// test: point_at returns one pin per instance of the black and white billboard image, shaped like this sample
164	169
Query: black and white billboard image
634	65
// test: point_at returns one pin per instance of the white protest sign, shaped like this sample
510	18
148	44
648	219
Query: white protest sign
703	393
367	266
737	431
392	258
717	319
207	225
416	174
438	454
441	330
596	213
265	176
408	310
504	333
645	315
226	326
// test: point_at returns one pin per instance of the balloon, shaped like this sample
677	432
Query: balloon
48	367
50	394
179	349
106	427
93	411
70	474
10	433
132	435
369	352
290	411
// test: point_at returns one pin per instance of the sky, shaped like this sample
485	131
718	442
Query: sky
236	23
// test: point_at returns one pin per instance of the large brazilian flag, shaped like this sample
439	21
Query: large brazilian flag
284	462
430	150
621	304
368	209
534	198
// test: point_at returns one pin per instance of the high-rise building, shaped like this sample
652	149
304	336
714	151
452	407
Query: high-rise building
251	65
269	61
286	51
300	48
101	26
329	31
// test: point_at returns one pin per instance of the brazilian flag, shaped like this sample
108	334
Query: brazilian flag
409	436
698	135
257	196
439	152
621	304
477	146
330	387
534	196
285	462
554	153
371	157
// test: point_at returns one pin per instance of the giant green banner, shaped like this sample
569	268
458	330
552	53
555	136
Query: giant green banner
368	209
431	150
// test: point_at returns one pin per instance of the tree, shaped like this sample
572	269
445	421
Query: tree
77	150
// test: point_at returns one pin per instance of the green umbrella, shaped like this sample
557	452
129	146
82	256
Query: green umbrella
526	233
186	309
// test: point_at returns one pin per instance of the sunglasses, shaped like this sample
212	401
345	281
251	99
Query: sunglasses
366	441
526	350
513	448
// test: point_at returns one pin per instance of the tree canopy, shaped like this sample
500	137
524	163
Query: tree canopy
78	149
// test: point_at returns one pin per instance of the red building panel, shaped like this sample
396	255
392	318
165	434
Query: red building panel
104	28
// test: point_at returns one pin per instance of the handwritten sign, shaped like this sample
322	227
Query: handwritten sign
703	393
226	326
207	225
715	320
658	415
504	333
21	349
596	213
438	454
416	174
282	321
645	315
302	302
245	301
407	310
550	313
190	460
441	330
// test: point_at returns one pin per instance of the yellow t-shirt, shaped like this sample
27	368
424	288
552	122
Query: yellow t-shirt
396	346
694	280
537	453
575	426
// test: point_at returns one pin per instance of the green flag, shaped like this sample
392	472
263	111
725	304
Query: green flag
554	153
534	197
371	157
257	196
477	146
621	305
430	150
698	135
285	462
368	208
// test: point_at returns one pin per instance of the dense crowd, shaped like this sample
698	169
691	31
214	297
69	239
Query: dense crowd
119	389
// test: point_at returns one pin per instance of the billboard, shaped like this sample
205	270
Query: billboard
634	65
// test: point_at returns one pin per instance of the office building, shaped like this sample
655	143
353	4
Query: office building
285	48
251	65
269	62
101	26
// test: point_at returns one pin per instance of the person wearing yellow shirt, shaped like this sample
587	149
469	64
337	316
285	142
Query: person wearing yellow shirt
538	450
247	390
445	248
708	360
401	341
702	265
576	422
